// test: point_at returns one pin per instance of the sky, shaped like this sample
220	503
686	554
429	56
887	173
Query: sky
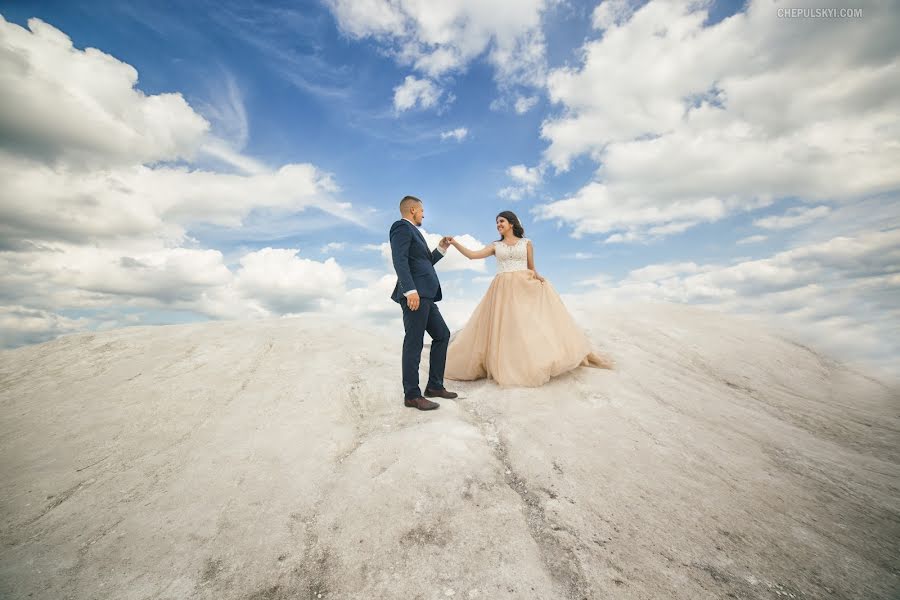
172	162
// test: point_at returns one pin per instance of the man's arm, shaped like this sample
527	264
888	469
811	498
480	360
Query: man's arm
437	254
401	237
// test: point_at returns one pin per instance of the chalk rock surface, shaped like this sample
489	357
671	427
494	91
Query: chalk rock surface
274	459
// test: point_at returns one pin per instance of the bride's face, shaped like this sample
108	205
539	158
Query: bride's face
503	225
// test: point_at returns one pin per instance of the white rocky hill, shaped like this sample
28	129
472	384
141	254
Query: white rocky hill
274	459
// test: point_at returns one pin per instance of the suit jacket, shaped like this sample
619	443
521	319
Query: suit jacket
413	262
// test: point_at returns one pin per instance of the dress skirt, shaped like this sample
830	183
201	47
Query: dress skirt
520	334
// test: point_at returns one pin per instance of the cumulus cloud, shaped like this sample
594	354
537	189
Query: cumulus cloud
58	102
525	175
285	283
331	246
436	39
722	119
46	202
20	325
102	190
412	93
369	302
526	179
369	17
841	294
263	283
458	134
54	275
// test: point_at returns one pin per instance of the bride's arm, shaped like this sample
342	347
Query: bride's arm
531	261
472	254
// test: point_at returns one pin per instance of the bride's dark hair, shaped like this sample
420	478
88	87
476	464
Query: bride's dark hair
510	216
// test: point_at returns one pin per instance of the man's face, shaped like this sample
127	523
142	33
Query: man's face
418	213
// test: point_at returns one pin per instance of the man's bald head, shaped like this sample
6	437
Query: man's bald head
408	204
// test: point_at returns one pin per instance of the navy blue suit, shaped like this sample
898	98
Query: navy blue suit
414	264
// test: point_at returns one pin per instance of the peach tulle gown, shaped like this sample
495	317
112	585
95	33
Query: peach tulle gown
520	334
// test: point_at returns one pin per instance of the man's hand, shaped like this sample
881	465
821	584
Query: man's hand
412	301
445	242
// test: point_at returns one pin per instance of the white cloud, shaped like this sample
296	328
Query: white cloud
527	180
436	39
595	208
43	202
52	276
842	294
231	125
752	239
36	282
453	260
331	246
163	276
726	118
20	325
437	62
58	102
264	283
458	134
662	271
90	114
361	18
525	175
512	193
228	155
415	92
95	216
525	103
612	12
285	283
370	302
227	112
483	279
794	217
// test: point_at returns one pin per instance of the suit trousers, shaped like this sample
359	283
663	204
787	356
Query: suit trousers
416	323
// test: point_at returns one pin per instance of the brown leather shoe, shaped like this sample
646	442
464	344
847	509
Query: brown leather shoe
421	403
440	394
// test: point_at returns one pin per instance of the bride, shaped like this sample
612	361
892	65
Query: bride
520	333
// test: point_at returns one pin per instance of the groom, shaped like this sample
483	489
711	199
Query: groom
418	291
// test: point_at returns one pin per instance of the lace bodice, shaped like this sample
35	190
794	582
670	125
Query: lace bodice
511	258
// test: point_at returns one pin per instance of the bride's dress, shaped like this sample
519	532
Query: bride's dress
520	333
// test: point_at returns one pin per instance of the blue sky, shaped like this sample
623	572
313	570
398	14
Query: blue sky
654	151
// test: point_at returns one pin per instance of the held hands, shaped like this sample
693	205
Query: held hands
446	241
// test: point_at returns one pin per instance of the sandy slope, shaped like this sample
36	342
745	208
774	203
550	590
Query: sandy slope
274	459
